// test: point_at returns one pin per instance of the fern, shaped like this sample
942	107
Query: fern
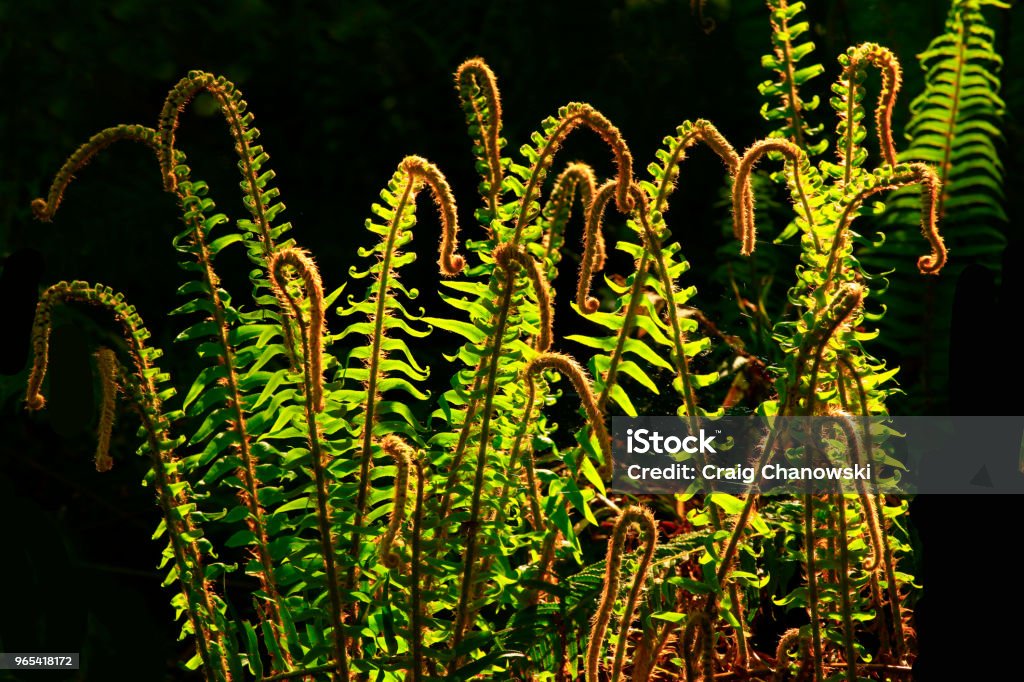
785	104
305	431
144	382
955	125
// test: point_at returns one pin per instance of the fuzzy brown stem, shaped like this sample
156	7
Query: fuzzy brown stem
645	519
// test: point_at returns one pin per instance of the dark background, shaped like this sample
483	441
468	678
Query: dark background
342	91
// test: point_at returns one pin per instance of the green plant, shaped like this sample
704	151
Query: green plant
956	126
293	443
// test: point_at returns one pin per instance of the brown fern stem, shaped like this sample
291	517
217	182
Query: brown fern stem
403	456
698	624
106	364
506	256
416	616
813	604
642	517
846	608
567	366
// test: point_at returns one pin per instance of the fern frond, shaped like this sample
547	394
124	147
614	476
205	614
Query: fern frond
849	109
262	235
576	179
642	517
219	394
478	92
956	125
785	106
45	209
187	546
541	154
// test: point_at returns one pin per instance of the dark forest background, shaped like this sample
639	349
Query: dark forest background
341	92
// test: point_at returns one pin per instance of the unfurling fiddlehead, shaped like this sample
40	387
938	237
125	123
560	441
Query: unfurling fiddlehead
306	269
422	172
642	517
593	256
478	91
505	256
403	456
743	193
885	179
790	638
106	364
572	369
847	104
570	117
576	179
44	209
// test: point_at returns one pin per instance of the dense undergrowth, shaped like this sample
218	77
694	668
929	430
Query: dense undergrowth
394	534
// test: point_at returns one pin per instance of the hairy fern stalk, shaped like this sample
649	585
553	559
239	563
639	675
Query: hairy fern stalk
391	542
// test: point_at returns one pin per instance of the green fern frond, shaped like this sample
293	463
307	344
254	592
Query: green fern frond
784	106
146	385
956	125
